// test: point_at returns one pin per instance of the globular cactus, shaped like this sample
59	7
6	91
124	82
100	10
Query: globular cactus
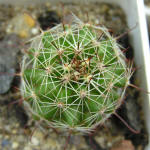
74	76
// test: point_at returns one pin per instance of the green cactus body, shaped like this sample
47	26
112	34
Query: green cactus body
74	76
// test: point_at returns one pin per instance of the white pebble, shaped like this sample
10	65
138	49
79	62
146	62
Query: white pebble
34	31
15	145
27	148
35	141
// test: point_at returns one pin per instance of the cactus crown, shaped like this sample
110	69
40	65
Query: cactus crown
74	76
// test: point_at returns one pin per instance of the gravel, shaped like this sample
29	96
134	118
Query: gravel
16	129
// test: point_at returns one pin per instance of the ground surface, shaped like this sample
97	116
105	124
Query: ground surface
18	24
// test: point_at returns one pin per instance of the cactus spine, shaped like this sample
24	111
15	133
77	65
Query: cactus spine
74	76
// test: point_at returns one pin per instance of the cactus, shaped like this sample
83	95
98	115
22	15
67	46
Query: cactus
74	76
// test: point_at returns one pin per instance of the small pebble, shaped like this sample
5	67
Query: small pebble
7	128
7	137
35	141
5	143
29	20
73	148
34	31
27	148
23	34
124	145
109	144
14	131
15	145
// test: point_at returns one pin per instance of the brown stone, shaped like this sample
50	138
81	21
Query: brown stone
123	145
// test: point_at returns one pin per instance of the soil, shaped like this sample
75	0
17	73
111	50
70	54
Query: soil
17	130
